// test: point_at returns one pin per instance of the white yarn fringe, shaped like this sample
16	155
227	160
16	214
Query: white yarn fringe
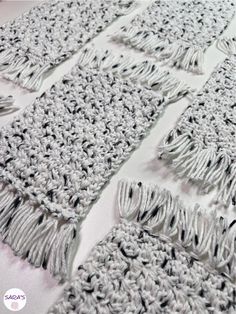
21	70
41	239
206	237
227	45
6	102
143	72
180	55
207	166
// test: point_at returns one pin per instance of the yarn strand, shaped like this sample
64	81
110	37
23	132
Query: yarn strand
227	45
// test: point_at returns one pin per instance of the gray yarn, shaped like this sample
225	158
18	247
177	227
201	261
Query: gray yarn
57	156
161	258
178	32
50	33
202	146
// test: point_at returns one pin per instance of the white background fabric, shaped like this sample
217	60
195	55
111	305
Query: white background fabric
40	289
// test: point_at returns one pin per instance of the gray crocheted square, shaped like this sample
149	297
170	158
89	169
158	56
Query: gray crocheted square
162	258
57	156
178	32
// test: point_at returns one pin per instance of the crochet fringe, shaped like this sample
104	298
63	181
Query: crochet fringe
227	45
42	240
209	167
21	70
142	72
6	101
207	238
180	55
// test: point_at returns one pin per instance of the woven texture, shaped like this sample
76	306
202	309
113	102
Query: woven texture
202	146
56	157
153	263
50	33
178	32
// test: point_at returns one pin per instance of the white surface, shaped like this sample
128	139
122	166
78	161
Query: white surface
41	290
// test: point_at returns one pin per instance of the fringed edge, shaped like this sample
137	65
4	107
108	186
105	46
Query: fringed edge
207	166
21	70
227	45
179	55
143	72
207	238
6	102
44	241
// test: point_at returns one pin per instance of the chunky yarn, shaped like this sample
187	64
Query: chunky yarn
161	258
178	32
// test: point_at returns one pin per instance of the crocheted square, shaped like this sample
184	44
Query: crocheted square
202	146
57	156
50	33
161	258
178	32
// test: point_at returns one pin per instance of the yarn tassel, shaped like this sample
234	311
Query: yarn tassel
6	102
21	70
43	240
179	54
227	45
207	238
142	72
204	165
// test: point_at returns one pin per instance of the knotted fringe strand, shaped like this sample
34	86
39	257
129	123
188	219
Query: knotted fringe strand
6	101
205	165
178	54
22	70
43	240
143	72
227	45
207	238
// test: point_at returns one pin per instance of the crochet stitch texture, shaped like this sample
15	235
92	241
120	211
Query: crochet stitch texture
50	33
56	157
162	258
202	146
178	32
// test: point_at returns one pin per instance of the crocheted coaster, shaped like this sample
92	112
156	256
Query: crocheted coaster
50	33
6	102
178	32
202	146
162	258
56	157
